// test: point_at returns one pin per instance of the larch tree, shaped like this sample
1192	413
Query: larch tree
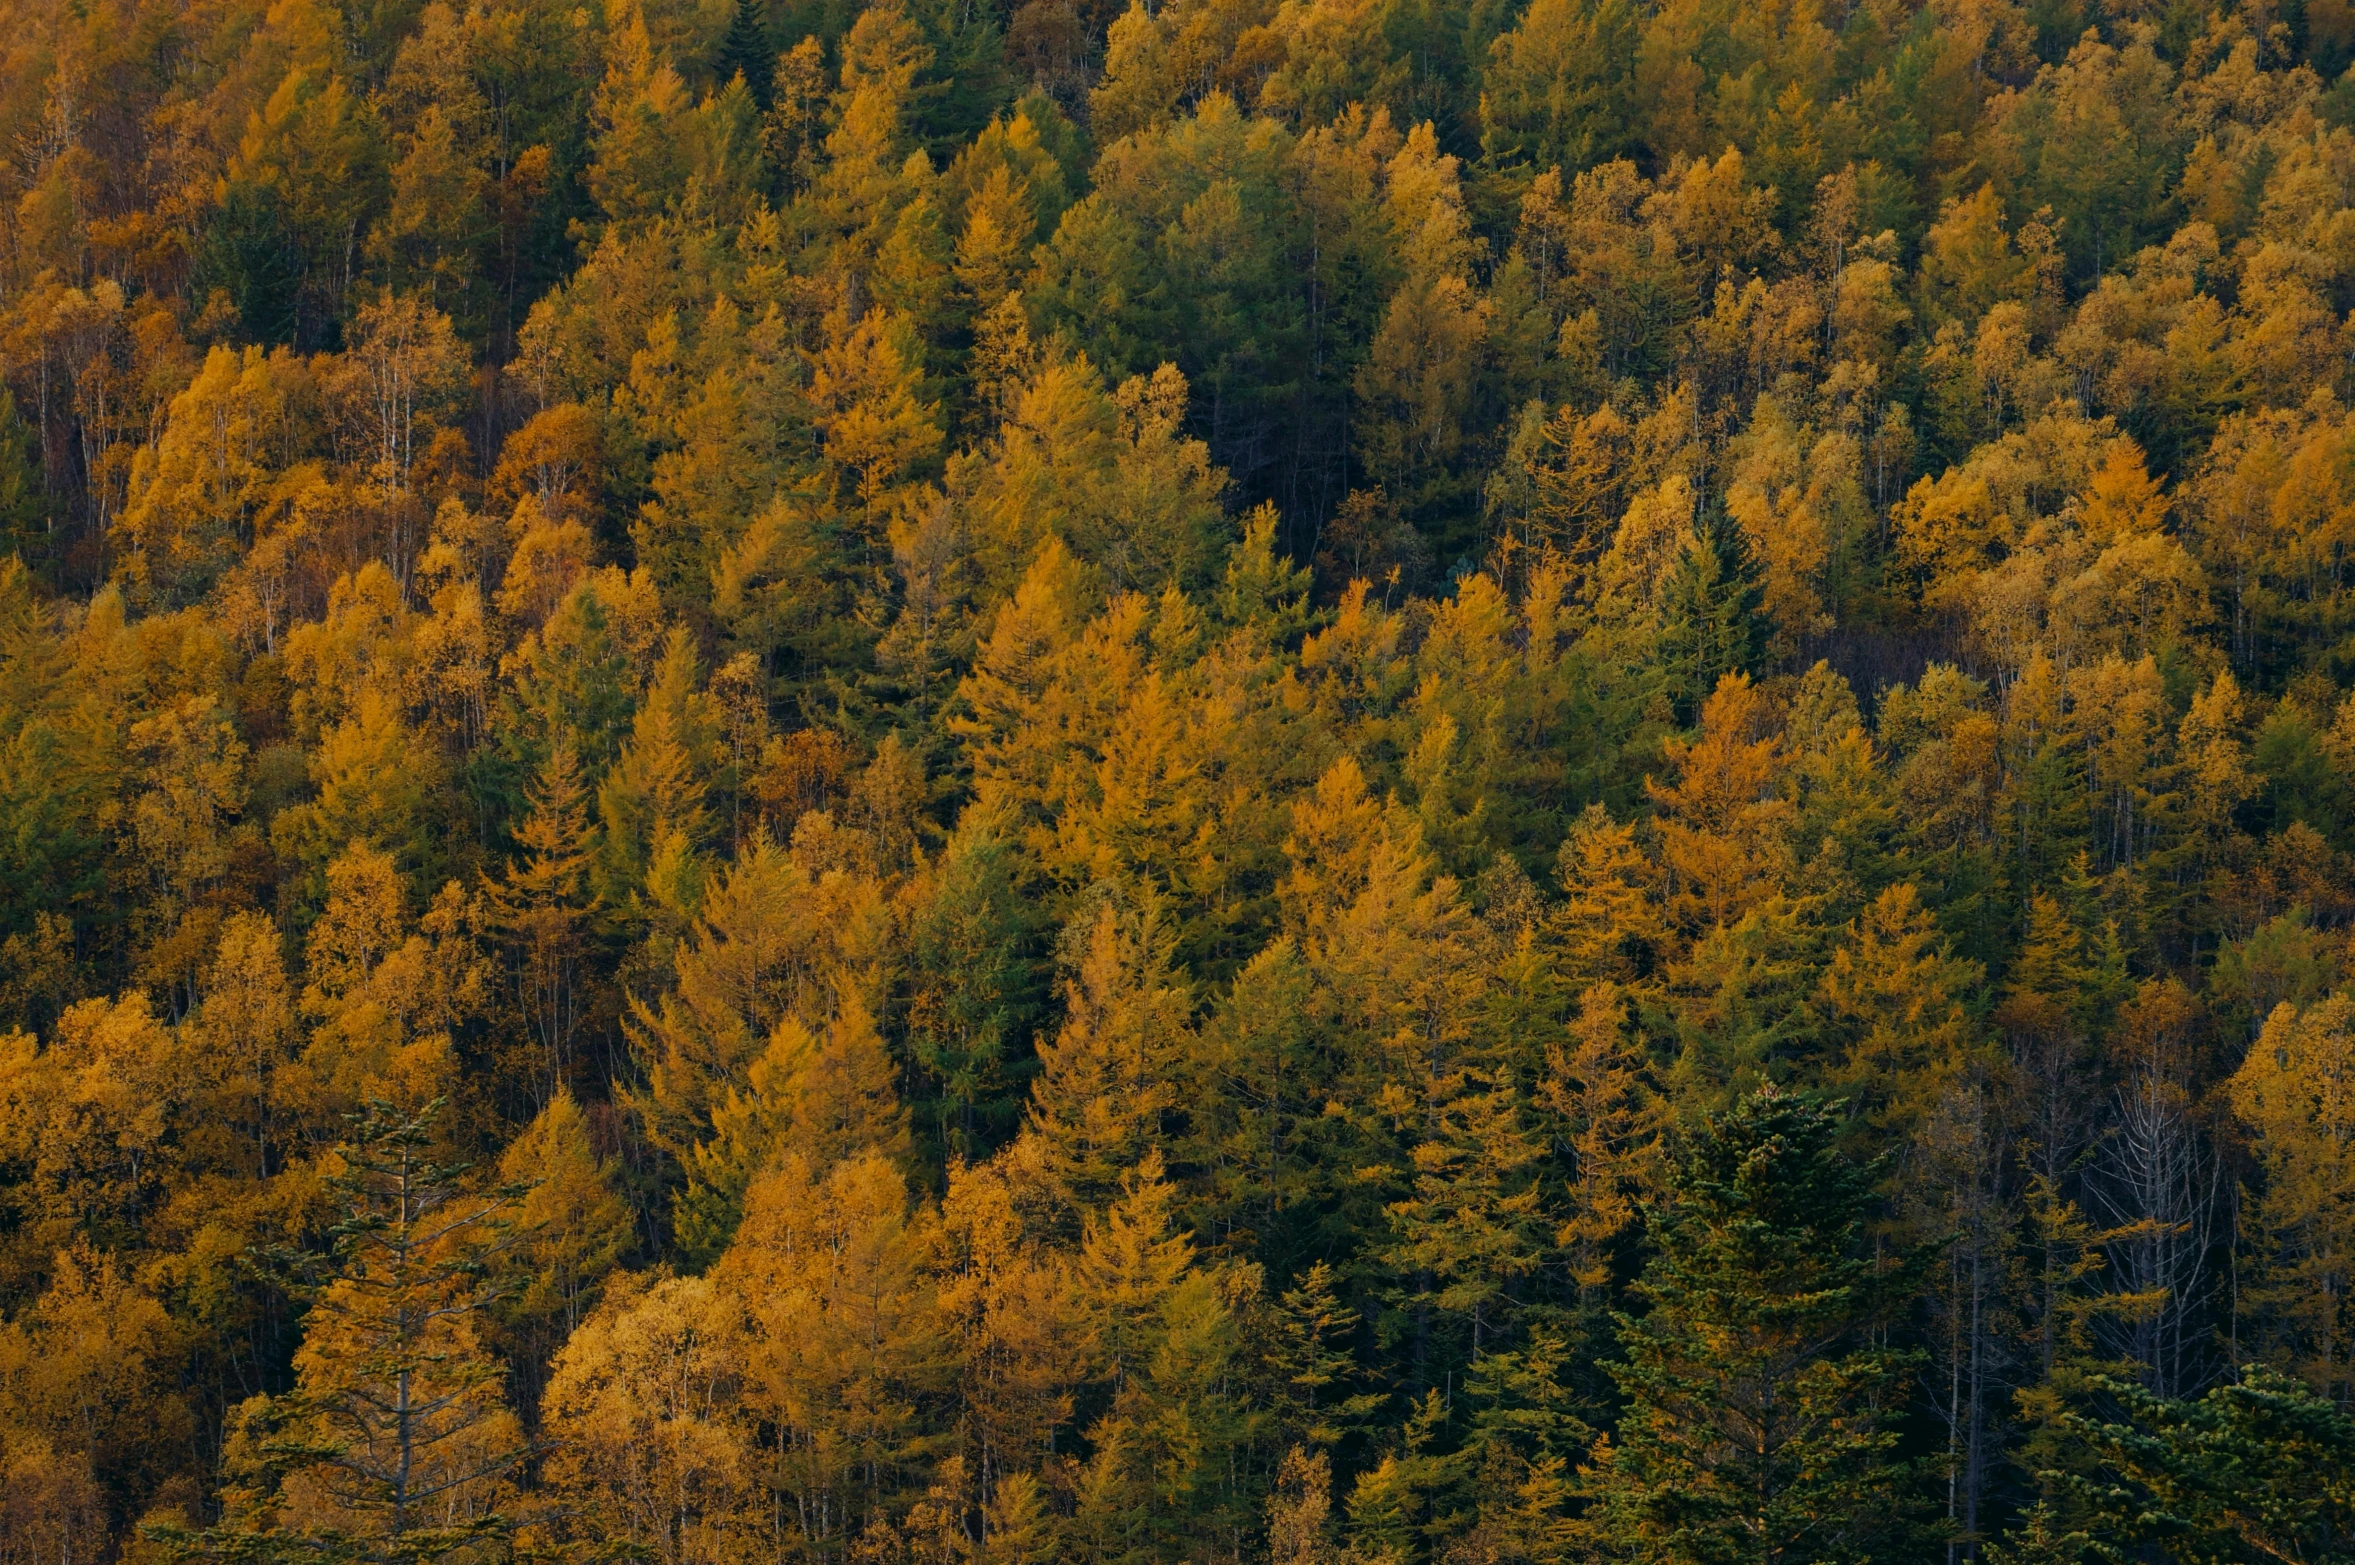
395	1443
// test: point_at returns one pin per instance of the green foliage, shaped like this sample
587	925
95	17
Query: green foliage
1760	1412
1712	620
2258	1469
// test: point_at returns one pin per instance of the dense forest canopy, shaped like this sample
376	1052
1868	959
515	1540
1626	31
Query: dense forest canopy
1310	782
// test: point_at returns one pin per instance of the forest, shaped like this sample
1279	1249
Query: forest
1186	782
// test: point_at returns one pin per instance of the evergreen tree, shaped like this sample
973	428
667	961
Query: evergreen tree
573	1230
2262	1469
1759	1399
539	906
1713	611
745	50
971	993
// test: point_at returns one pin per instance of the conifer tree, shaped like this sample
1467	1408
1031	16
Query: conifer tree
1475	1224
395	1443
1759	1403
572	1228
539	905
1712	615
1103	1083
972	991
745	51
2263	1469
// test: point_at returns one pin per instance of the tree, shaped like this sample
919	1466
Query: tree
1712	619
1418	386
820	1100
1759	1402
745	51
652	1447
1475	1225
1163	1327
1104	1082
24	505
571	1228
641	147
1724	821
539	905
395	1443
841	1341
1554	89
973	990
248	1016
2291	1091
2262	1469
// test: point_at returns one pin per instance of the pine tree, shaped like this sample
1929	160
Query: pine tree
972	993
1165	1331
819	1098
1105	1081
1713	619
1299	1510
1475	1225
1317	1359
745	51
2263	1469
1604	1122
1759	1400
841	1339
573	1230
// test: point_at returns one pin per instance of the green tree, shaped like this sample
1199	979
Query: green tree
745	50
1713	619
2262	1469
1759	1397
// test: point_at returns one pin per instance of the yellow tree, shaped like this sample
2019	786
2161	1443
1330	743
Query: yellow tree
1896	996
651	1446
571	1228
639	150
757	954
1723	820
2296	1094
247	1020
1421	374
1162	1462
1014	1326
539	906
1105	1081
199	491
1609	923
384	991
93	1119
1601	1112
821	1096
396	1442
87	1397
842	1341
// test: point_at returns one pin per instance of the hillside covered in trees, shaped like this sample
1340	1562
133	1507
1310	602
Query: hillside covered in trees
1290	782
